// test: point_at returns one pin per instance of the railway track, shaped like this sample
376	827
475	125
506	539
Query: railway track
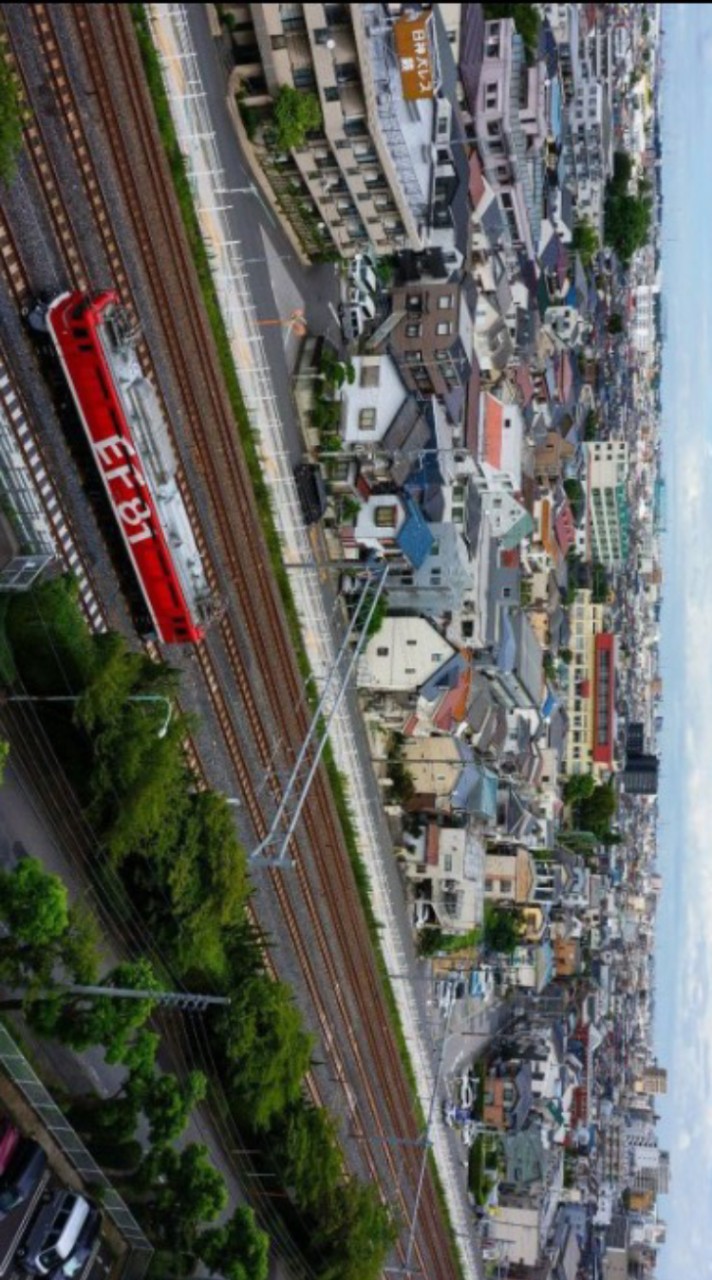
210	430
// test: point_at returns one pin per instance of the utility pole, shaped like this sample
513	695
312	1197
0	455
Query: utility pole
186	1001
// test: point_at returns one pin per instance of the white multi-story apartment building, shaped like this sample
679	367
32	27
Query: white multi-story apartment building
586	621
607	507
511	128
591	139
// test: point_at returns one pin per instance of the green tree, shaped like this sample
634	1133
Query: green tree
167	1104
503	928
585	241
4	755
580	786
237	1251
305	1149
355	1234
51	642
267	1051
627	214
614	324
296	114
596	811
577	499
567	656
187	1187
33	904
79	947
10	122
81	1020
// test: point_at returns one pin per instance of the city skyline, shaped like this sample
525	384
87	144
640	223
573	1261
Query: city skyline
684	972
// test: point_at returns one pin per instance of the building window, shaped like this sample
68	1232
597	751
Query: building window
443	328
447	863
366	419
491	97
304	78
346	73
414	302
331	94
385	517
413	330
382	652
411	642
445	302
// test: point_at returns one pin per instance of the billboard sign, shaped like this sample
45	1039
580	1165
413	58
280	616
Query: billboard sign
415	60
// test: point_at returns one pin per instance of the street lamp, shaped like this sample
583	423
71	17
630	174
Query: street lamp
136	697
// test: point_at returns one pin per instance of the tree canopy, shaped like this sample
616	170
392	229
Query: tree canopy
82	1020
237	1251
356	1234
296	114
580	786
304	1144
627	214
188	1189
267	1051
595	812
585	240
503	928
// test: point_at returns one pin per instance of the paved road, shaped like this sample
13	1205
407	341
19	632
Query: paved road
278	281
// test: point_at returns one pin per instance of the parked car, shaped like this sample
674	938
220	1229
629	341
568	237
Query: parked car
22	1176
54	1234
361	272
311	490
9	1140
87	1243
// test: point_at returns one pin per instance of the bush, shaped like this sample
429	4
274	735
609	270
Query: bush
296	114
51	643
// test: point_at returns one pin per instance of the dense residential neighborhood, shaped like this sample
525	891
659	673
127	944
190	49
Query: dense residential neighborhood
492	438
330	684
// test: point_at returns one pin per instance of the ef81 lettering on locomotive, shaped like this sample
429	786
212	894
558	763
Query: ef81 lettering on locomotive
127	433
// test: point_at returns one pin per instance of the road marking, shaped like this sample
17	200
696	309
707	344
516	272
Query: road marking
335	314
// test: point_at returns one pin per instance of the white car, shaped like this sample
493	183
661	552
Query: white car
467	1092
422	913
362	274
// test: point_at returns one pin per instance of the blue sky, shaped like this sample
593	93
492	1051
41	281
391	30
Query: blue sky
684	952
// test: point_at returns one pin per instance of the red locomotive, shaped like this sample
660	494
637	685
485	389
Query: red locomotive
127	433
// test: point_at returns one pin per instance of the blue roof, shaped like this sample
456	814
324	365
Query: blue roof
414	537
549	704
476	792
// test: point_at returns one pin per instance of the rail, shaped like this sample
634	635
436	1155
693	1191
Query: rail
191	116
